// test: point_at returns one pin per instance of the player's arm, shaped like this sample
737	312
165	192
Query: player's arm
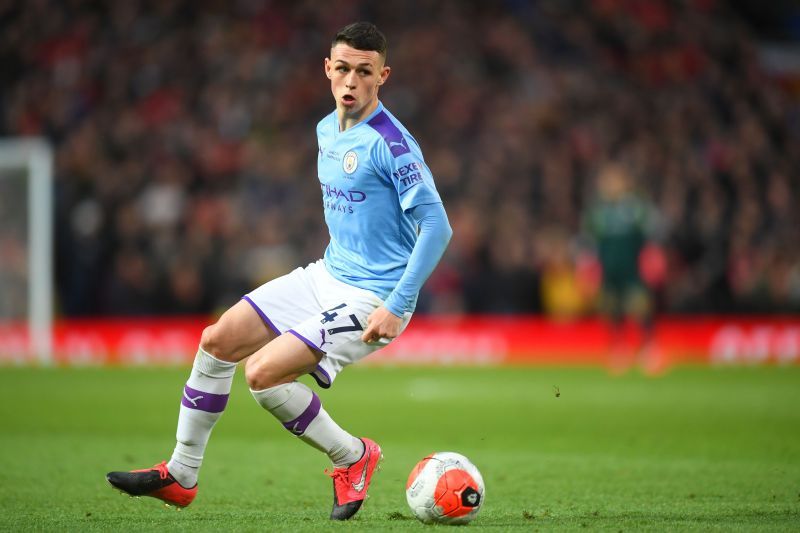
434	235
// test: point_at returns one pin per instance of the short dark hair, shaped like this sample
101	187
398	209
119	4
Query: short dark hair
362	36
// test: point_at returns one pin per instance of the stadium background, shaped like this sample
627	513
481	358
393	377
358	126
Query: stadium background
184	169
185	149
185	175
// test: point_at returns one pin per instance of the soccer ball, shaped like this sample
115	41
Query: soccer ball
445	488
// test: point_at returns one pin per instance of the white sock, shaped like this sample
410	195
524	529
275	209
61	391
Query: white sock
301	412
204	398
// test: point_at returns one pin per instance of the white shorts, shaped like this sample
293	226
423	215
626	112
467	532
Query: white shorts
325	313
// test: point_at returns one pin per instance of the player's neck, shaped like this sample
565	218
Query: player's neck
348	121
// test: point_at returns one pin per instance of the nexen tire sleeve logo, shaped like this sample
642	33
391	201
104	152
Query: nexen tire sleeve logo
409	175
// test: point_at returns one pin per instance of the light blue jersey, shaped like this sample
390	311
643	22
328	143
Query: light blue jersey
371	175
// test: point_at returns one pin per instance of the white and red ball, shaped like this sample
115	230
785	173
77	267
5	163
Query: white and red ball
445	488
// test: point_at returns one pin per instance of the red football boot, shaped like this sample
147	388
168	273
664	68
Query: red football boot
155	482
350	484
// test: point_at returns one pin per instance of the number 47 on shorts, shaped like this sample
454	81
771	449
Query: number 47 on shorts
331	314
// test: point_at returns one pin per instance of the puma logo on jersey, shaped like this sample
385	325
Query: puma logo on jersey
392	136
398	144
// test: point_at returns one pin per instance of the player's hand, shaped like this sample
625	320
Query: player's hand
382	323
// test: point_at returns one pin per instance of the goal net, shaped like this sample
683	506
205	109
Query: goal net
26	250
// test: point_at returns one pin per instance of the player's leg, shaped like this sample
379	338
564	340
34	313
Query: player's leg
639	306
620	355
238	333
271	374
324	343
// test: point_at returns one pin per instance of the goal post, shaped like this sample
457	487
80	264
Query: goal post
26	226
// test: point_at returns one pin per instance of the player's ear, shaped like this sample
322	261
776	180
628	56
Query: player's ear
328	67
385	71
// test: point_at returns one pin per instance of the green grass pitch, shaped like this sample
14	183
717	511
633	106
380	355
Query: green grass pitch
697	449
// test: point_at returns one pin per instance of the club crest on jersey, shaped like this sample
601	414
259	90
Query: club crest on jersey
350	162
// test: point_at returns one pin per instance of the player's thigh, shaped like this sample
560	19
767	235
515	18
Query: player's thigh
238	333
282	360
287	300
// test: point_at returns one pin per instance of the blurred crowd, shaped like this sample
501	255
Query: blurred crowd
186	150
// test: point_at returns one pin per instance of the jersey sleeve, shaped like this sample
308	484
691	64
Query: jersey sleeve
399	159
434	235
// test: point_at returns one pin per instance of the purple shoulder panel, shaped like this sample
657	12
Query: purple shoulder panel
391	134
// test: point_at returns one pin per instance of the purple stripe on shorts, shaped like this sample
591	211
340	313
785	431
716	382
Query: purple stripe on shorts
321	382
299	425
204	401
263	316
311	344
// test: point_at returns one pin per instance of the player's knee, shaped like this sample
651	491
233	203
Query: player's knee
260	376
214	341
254	380
254	377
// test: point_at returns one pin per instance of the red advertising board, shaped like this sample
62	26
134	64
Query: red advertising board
476	340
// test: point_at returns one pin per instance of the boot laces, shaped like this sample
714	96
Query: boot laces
338	474
163	471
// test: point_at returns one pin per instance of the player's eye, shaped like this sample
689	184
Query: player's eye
364	72
341	69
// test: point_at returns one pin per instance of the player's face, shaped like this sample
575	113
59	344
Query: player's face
355	78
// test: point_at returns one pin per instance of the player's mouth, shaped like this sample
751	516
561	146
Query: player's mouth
348	100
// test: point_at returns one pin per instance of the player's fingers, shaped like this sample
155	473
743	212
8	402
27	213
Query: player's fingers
369	334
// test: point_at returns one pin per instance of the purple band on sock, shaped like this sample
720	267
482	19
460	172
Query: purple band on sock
299	425
204	401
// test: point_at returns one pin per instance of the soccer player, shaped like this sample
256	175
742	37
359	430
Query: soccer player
621	225
388	230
